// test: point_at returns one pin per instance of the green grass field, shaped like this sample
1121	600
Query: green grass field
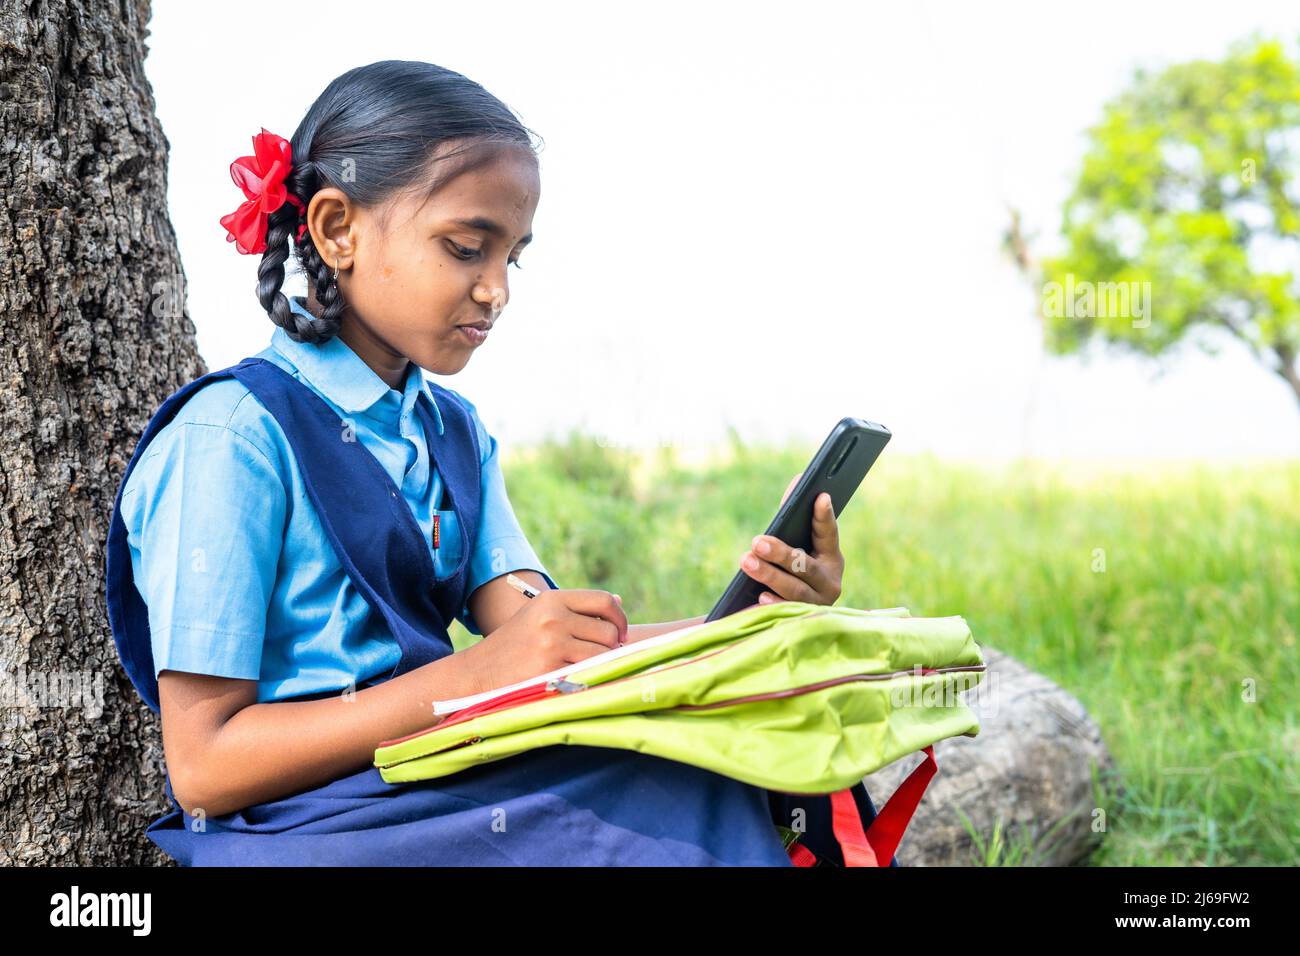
1163	596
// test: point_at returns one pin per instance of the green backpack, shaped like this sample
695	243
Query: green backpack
793	697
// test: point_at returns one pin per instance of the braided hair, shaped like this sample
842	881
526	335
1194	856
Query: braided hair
377	131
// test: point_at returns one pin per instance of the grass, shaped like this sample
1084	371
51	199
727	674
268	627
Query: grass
1167	598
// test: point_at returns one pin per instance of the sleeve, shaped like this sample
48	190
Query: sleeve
500	545
205	515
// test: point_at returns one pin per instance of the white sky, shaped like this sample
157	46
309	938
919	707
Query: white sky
761	215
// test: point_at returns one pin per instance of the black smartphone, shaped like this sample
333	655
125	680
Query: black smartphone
839	466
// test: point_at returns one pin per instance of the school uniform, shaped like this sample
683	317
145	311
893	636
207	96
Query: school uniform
239	573
276	524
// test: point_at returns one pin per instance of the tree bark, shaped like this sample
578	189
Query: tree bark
1032	766
95	336
1288	369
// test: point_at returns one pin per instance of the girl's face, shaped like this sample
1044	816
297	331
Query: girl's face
437	265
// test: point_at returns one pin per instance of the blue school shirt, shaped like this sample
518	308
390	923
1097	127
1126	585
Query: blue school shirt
227	549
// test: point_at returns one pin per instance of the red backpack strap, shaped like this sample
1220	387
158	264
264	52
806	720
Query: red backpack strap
846	821
880	840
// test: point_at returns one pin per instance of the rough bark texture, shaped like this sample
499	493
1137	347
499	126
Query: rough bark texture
1033	766
95	335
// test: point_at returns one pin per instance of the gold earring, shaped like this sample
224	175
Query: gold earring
336	272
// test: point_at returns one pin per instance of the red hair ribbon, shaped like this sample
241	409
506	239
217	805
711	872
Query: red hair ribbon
261	177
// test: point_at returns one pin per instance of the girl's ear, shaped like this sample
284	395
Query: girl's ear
331	216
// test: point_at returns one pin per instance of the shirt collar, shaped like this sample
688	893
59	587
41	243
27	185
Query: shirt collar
345	379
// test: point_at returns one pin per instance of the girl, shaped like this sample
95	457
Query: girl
294	534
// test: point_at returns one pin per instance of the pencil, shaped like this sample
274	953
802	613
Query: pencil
522	586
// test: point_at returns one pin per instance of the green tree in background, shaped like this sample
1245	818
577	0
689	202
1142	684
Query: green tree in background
1186	215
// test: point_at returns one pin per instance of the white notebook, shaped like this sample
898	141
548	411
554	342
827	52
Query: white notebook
441	707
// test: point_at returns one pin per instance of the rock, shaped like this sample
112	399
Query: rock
1031	767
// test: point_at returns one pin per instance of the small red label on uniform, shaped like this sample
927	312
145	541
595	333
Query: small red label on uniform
435	531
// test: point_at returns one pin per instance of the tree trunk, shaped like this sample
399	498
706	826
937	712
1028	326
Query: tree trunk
1031	767
95	335
1288	369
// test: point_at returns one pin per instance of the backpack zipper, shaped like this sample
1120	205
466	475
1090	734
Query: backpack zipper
809	688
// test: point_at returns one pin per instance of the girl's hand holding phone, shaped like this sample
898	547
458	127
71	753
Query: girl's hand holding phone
555	628
791	573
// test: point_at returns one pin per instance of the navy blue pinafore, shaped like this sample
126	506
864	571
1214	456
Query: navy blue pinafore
558	805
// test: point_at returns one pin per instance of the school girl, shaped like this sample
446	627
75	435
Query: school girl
295	533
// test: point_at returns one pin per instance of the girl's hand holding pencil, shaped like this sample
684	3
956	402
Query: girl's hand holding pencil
555	628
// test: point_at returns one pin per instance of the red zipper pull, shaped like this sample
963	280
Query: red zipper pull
436	516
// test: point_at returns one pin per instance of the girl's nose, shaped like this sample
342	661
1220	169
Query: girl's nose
497	301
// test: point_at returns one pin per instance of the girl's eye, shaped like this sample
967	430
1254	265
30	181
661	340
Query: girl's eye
465	253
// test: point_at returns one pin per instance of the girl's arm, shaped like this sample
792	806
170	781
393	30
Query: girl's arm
225	751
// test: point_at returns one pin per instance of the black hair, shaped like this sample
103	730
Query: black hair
376	131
